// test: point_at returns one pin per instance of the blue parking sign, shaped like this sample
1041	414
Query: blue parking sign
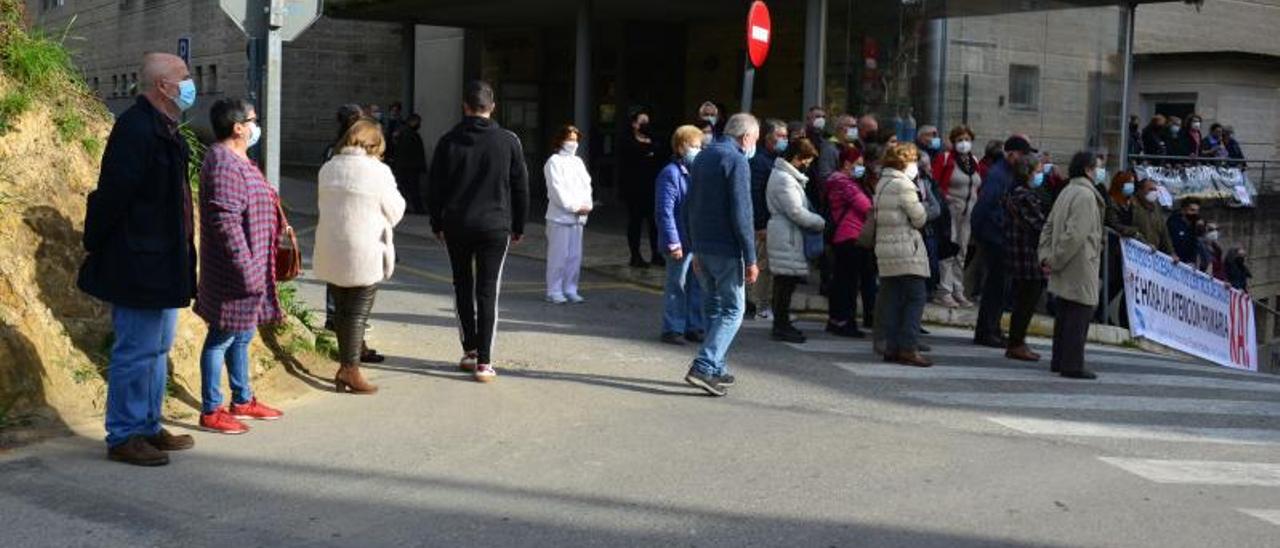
184	50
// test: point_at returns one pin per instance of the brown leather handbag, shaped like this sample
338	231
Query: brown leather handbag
288	254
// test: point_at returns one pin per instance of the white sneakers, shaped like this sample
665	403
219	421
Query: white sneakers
570	298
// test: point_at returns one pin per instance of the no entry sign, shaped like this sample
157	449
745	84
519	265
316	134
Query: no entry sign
759	32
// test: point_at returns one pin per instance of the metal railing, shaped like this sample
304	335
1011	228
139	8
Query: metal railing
1265	174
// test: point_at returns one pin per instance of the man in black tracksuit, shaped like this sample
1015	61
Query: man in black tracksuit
478	196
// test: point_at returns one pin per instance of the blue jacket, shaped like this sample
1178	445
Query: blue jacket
987	219
1185	243
718	209
673	187
761	167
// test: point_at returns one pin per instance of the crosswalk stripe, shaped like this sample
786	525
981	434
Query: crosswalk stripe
1272	516
886	371
1048	427
1100	403
1200	472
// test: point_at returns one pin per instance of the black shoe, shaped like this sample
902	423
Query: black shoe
725	380
695	337
991	341
708	384
370	355
638	262
847	330
328	325
672	337
1083	374
922	347
750	312
658	260
788	335
924	331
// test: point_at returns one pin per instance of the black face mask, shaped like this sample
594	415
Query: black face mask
645	130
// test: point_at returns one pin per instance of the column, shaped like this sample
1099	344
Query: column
582	99
815	58
1126	37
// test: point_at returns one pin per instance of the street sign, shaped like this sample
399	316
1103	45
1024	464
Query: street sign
184	50
291	19
759	33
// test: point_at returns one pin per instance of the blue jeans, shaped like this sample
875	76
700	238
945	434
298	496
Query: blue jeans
724	298
682	311
231	348
138	371
903	298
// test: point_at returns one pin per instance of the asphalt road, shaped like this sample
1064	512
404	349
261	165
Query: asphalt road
590	437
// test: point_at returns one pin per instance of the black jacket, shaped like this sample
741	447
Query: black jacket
478	180
138	228
410	156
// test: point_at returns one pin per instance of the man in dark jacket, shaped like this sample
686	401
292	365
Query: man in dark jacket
141	257
774	137
410	163
478	197
1182	230
718	213
987	222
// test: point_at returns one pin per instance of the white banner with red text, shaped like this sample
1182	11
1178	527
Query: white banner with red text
1173	304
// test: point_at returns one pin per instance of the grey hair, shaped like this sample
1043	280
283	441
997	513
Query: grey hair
740	124
771	125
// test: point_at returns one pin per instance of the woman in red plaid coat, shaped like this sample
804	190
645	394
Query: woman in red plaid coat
1026	210
239	225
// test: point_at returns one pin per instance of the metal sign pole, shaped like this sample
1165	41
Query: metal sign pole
748	86
275	50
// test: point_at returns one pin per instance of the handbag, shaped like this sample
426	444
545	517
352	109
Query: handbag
815	244
867	238
288	255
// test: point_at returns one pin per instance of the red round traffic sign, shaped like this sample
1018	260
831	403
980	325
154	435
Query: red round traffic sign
759	32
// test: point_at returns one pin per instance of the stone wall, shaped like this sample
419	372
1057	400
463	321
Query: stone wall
1218	25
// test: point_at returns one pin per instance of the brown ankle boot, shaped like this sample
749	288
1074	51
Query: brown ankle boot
1023	353
349	379
914	359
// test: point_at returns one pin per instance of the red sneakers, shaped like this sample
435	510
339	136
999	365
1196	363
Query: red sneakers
255	411
222	422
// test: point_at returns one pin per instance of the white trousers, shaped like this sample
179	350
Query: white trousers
564	259
952	275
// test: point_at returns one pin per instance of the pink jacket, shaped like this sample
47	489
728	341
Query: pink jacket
849	206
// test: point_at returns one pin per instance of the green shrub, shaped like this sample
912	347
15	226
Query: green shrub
70	125
39	62
12	105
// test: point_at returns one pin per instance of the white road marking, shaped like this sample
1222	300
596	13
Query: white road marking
1048	427
1200	472
1272	516
1078	402
1039	374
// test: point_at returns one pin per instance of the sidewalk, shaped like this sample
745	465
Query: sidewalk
605	252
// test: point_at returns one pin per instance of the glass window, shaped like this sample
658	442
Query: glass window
1024	87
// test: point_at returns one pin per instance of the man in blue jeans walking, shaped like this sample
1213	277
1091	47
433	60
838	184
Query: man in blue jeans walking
138	234
719	216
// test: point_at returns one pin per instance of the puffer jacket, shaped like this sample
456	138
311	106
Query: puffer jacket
1071	243
789	216
899	217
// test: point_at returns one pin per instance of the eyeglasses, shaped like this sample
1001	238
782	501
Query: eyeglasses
250	120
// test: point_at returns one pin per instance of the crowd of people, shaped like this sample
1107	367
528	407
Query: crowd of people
736	203
1167	136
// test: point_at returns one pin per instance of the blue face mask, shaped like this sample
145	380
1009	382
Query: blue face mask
186	95
1038	180
750	153
935	143
1100	175
1128	189
690	154
255	133
859	171
780	146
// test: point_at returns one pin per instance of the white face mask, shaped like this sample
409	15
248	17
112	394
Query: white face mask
912	171
819	123
964	147
1212	235
851	134
1152	196
570	147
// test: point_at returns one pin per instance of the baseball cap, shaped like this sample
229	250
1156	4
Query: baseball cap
1018	143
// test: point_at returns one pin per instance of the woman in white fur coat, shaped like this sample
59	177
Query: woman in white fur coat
568	203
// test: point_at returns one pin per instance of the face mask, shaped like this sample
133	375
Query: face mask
935	143
819	123
859	171
1038	180
571	147
780	146
750	153
1128	189
643	129
186	95
964	147
1153	196
255	133
1174	129
690	154
1192	218
851	134
912	171
1100	175
710	119
1048	168
706	140
377	116
1212	235
1195	125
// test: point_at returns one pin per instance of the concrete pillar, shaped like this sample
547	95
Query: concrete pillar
583	112
935	77
1126	36
815	54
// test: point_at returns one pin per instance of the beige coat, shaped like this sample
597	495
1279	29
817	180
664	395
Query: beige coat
899	214
789	216
1071	243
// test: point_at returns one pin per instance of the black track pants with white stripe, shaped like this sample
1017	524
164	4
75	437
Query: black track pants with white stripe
477	259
